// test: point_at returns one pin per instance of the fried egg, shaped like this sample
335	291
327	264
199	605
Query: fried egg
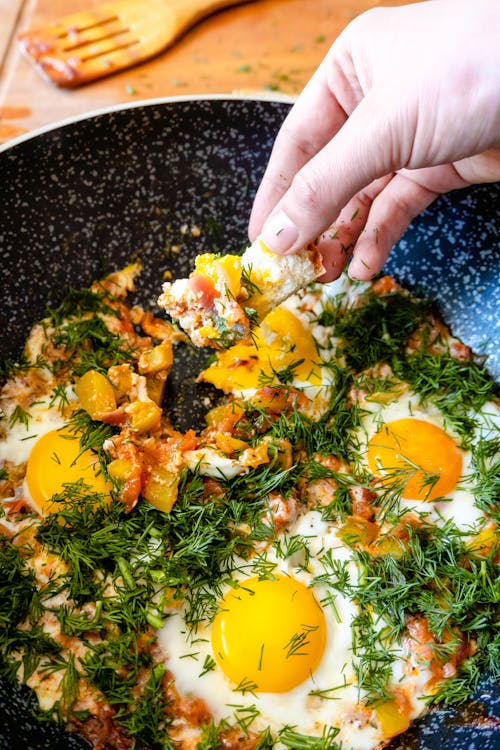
56	459
51	452
281	645
289	347
407	446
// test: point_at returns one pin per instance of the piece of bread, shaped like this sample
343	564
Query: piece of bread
277	277
225	296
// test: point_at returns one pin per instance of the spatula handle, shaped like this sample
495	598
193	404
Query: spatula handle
190	11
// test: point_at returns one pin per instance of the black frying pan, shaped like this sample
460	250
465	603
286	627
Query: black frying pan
83	198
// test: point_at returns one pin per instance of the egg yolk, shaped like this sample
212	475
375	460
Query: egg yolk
420	455
280	343
269	635
56	460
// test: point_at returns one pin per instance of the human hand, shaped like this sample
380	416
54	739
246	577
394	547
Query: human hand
405	106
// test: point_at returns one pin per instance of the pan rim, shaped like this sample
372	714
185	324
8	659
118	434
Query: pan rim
273	98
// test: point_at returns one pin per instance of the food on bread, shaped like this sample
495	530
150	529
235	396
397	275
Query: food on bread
227	295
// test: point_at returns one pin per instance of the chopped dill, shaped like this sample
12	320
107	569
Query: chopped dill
285	375
10	368
377	331
289	737
246	281
77	303
89	344
21	416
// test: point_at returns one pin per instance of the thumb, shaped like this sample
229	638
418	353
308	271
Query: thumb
363	150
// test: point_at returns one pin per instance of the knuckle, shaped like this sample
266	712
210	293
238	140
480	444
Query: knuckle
307	187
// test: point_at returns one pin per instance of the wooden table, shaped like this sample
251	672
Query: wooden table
265	45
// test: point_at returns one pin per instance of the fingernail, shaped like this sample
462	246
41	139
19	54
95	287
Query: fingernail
356	268
279	233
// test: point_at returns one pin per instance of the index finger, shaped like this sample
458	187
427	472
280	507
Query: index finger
312	122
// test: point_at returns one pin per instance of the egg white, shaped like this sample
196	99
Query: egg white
20	439
458	505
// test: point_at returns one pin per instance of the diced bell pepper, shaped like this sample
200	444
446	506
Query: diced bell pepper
95	394
161	489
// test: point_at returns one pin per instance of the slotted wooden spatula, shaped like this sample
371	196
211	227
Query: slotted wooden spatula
84	46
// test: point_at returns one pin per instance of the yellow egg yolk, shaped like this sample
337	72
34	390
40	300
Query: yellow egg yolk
269	634
418	456
281	343
56	460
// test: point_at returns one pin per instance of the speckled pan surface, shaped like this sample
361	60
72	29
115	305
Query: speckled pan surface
84	198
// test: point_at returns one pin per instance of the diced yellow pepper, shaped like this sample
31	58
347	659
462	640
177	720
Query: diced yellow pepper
483	543
392	720
95	394
215	415
120	469
161	489
257	455
395	389
155	385
388	544
144	415
358	531
283	451
158	358
121	377
225	416
228	444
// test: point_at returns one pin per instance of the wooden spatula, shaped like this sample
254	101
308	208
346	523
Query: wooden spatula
84	46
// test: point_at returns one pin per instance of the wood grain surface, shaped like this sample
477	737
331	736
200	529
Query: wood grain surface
263	45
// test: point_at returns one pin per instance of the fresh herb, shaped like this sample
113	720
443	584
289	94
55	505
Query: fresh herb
245	686
89	344
247	282
285	375
146	718
211	736
378	330
437	578
457	387
299	641
91	435
21	416
78	303
486	476
10	368
289	737
17	585
245	716
208	665
59	397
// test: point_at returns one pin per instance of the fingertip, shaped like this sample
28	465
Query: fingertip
360	269
331	274
280	234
